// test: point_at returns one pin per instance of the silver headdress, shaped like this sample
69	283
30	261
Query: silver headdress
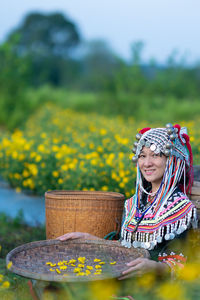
170	141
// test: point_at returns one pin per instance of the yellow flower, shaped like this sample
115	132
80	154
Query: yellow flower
113	263
52	270
77	270
81	266
97	267
6	284
190	272
89	267
55	173
171	291
102	263
9	265
1	277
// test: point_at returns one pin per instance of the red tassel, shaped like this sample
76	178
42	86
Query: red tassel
142	131
190	173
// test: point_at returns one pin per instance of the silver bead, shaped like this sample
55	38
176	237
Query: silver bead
176	130
134	159
134	150
172	137
168	145
135	144
167	152
169	125
170	130
138	136
147	144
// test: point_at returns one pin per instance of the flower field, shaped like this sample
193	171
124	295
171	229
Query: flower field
63	149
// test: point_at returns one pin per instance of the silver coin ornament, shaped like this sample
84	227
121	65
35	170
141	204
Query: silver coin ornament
159	239
147	245
153	147
147	144
167	237
134	150
134	159
170	130
172	137
169	125
142	142
136	244
138	136
135	144
168	145
167	152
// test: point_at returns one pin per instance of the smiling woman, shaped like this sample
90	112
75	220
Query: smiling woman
160	212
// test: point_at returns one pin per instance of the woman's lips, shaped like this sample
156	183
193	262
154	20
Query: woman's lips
148	172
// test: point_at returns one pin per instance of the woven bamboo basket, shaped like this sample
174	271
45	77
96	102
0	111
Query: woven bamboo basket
195	196
33	260
97	213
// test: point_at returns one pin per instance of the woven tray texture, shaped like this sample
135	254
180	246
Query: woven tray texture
95	212
29	260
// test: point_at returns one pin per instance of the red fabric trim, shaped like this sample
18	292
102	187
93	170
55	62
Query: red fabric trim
176	256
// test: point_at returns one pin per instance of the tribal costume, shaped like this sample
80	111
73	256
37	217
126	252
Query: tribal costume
153	224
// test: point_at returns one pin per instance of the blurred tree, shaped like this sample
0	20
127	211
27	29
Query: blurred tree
99	65
46	35
49	41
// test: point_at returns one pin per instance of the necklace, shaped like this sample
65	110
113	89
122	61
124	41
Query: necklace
149	193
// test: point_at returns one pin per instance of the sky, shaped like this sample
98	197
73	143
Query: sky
163	25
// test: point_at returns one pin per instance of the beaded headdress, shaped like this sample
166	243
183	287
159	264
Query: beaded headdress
171	212
172	141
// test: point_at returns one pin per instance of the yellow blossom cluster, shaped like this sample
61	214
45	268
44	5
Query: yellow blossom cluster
64	149
79	266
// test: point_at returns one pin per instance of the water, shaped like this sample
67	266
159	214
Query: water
12	202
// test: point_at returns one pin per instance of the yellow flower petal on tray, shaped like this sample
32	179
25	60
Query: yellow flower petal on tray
52	265
63	267
102	263
97	260
9	265
73	265
58	271
48	263
52	270
113	263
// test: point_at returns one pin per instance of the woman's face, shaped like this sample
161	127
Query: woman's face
152	166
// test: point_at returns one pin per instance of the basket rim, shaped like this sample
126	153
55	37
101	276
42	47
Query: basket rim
77	194
62	278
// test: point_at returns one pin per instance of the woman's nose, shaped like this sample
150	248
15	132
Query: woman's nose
147	161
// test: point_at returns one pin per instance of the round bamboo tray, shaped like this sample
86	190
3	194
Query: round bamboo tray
29	260
95	212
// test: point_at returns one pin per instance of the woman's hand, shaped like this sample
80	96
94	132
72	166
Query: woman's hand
76	235
140	266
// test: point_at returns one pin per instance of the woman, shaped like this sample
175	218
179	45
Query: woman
160	211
